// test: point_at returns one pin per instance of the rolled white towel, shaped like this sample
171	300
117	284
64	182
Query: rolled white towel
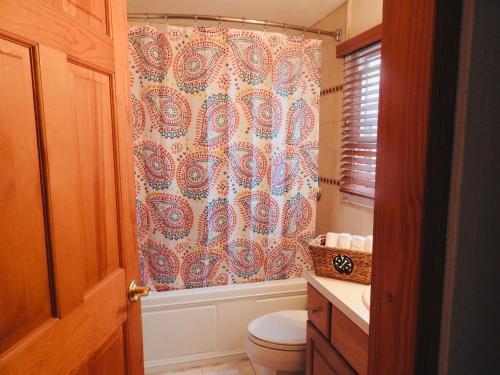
358	242
344	241
369	243
331	239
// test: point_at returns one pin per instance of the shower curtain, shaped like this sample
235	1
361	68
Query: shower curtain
225	126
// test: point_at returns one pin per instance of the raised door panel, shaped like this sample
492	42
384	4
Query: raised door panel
81	175
91	97
110	358
84	370
44	22
64	345
91	13
25	301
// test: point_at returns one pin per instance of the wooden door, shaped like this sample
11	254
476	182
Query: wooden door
420	44
67	214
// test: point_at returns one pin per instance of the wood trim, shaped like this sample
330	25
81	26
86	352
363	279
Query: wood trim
362	40
126	187
470	327
463	90
415	133
437	181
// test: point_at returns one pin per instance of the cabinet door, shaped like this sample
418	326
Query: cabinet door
319	311
350	341
322	358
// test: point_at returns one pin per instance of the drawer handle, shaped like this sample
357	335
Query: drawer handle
315	310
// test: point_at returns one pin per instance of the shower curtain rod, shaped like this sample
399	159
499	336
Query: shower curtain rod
337	34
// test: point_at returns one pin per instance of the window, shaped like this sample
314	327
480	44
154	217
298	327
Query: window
359	132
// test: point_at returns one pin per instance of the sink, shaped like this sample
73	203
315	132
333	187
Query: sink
366	296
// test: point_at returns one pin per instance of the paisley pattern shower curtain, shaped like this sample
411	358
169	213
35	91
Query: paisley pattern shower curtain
226	148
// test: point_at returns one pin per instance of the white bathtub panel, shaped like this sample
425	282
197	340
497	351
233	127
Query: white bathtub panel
208	325
233	321
180	332
269	305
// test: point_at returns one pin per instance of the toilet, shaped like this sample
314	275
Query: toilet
276	343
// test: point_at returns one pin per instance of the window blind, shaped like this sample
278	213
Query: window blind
359	131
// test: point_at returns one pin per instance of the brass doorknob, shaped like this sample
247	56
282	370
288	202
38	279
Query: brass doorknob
136	291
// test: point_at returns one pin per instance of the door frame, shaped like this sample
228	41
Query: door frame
420	49
134	352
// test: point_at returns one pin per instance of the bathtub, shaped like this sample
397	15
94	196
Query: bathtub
207	325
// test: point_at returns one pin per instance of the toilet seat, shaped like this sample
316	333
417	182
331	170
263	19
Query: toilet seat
275	346
284	328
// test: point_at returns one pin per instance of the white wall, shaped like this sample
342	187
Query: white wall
362	15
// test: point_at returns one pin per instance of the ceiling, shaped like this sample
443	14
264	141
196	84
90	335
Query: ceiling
298	12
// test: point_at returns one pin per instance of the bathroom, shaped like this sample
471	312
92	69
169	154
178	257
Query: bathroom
273	187
218	316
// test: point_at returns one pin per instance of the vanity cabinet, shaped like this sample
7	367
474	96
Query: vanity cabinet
335	344
319	311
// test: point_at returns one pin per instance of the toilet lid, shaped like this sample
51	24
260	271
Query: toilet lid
282	327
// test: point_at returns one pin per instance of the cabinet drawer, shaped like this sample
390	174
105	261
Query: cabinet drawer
322	358
319	311
350	341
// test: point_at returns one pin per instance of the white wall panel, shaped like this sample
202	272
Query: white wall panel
179	332
203	326
233	322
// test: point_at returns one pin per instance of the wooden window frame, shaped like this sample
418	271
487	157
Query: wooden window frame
365	39
359	42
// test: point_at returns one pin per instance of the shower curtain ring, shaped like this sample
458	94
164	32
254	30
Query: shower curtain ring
303	32
284	29
243	20
196	21
220	22
166	24
146	20
265	25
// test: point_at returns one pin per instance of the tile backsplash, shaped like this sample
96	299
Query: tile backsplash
334	213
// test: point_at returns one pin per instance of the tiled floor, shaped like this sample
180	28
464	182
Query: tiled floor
243	367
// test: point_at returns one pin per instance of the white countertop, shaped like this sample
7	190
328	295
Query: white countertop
345	296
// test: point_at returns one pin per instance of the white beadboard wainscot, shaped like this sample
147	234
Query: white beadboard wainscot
208	325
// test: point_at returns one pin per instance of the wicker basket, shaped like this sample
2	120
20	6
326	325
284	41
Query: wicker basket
343	264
